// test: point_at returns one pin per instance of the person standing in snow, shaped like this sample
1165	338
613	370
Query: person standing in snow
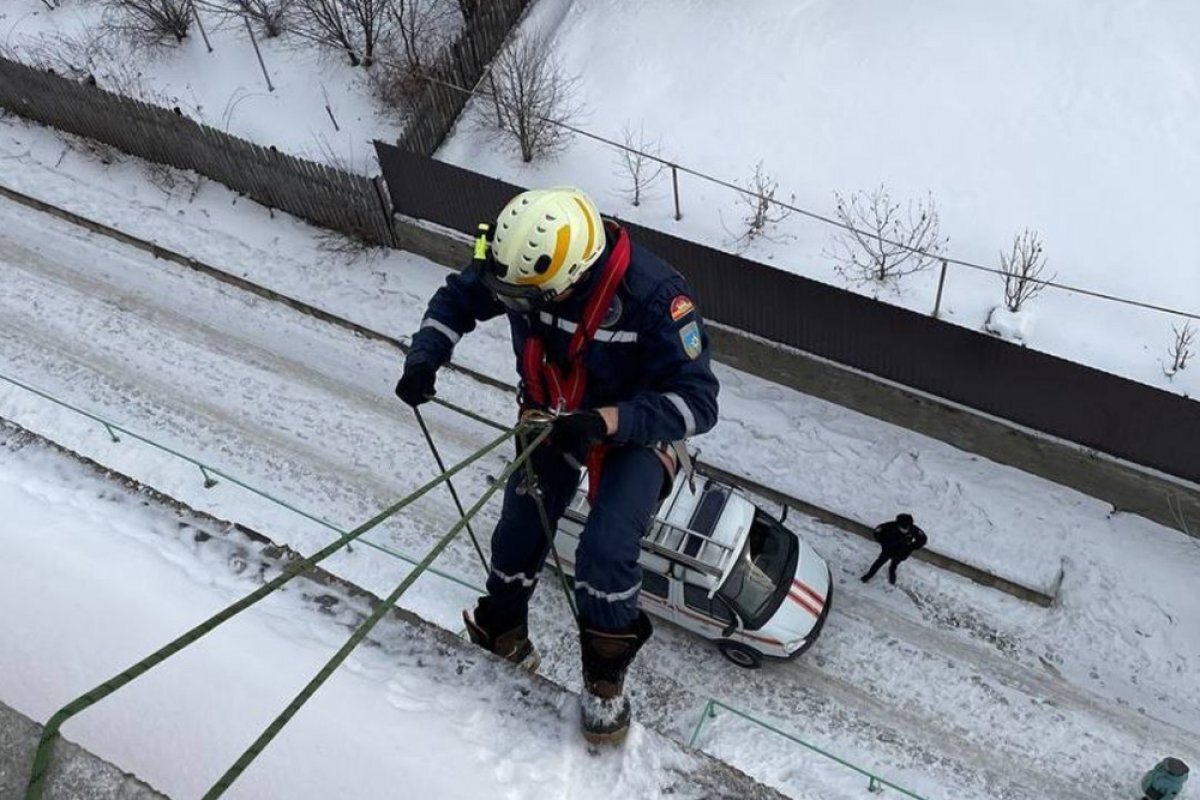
898	539
1165	781
609	340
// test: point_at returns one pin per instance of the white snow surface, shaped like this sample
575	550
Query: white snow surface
1073	119
940	685
95	578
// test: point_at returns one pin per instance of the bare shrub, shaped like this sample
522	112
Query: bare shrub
761	208
273	17
421	26
149	23
356	27
349	249
95	56
881	244
1022	266
418	31
1180	351
639	163
533	97
172	182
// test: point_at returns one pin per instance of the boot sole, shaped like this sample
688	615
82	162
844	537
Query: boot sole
611	738
531	662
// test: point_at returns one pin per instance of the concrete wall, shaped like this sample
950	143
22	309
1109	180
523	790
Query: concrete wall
75	774
1127	487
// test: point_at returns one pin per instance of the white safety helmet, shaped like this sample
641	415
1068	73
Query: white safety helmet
543	242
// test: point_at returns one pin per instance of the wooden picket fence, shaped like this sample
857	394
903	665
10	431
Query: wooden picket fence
355	205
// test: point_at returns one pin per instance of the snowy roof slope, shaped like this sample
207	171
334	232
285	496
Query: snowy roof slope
416	707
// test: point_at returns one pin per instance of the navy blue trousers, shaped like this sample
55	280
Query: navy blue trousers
607	575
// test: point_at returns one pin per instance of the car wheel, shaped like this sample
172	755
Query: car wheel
740	654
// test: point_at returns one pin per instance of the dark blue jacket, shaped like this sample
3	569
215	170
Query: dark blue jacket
650	357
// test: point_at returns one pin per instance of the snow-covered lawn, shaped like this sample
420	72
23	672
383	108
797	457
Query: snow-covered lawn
1074	119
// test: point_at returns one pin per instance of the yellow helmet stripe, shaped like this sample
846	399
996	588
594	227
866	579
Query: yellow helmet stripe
562	243
591	227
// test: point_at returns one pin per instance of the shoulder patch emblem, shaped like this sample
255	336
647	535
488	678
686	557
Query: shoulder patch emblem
693	344
681	306
613	315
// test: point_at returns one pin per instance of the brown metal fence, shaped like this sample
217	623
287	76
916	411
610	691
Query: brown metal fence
352	204
1101	411
461	64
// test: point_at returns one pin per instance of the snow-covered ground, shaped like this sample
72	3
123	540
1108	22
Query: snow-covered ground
319	107
937	685
95	578
1072	120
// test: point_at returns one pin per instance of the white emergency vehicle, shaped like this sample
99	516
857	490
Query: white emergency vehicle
716	564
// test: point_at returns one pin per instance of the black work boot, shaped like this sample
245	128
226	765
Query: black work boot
606	656
507	638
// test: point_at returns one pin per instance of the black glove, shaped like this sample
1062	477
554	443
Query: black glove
575	433
416	384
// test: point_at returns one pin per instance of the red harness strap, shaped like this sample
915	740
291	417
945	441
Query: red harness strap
545	384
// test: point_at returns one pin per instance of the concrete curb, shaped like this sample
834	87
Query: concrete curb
75	773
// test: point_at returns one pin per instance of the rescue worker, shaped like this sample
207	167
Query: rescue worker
1165	781
608	338
898	540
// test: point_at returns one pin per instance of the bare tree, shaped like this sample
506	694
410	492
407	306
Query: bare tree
148	23
356	27
533	97
762	210
272	16
1180	351
880	243
1022	267
420	25
638	162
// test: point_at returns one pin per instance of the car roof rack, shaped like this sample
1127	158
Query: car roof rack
691	545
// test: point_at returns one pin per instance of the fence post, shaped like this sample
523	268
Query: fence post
937	304
675	184
385	208
209	480
200	25
258	53
874	785
112	435
709	711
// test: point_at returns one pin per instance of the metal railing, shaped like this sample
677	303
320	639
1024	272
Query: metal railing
211	474
874	782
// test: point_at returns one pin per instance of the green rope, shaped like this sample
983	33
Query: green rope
437	457
226	780
491	423
41	762
533	489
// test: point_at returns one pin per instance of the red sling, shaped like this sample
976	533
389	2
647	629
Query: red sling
545	384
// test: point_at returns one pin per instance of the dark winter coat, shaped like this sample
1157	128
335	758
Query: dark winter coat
898	543
650	357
